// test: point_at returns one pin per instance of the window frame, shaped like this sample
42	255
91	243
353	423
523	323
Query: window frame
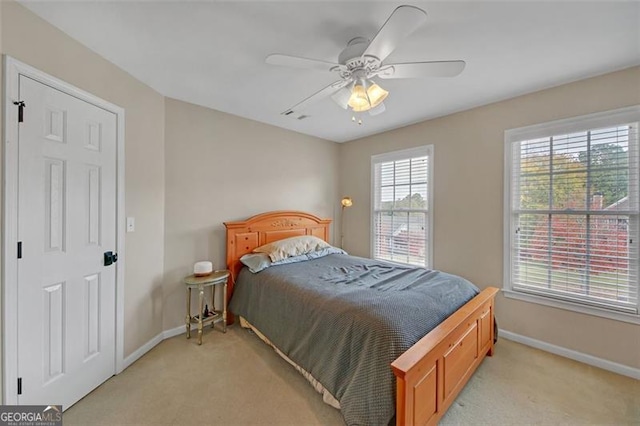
557	127
404	154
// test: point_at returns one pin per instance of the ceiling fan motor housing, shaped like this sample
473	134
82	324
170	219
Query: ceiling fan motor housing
354	50
352	57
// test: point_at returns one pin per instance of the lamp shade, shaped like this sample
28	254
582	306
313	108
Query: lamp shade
376	95
346	202
358	100
342	96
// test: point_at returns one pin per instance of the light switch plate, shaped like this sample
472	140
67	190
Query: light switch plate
131	224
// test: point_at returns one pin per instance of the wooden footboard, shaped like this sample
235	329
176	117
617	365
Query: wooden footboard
431	373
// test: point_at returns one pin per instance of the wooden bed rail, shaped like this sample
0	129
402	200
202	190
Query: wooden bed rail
431	373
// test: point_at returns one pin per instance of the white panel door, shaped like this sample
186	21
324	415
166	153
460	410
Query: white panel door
66	221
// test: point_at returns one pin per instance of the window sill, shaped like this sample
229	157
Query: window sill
575	307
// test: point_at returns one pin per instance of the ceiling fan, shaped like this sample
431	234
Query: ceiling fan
362	60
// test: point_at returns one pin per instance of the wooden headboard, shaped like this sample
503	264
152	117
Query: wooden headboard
244	236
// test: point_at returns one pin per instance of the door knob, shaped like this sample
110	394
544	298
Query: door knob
110	258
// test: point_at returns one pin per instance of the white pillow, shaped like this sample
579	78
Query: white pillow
294	246
256	262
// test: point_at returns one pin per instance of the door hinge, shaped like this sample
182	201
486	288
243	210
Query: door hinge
21	107
19	249
19	385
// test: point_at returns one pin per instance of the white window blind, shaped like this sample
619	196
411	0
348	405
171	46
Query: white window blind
574	219
402	207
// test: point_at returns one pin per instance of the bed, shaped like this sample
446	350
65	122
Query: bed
418	380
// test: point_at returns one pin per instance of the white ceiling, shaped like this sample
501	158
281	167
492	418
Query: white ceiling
212	53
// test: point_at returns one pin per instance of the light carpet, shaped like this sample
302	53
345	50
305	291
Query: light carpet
235	379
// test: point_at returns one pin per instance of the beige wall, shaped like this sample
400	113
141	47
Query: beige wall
468	217
31	40
221	167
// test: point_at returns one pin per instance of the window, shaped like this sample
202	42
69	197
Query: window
572	230
401	208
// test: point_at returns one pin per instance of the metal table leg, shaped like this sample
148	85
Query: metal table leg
213	303
201	304
188	318
224	308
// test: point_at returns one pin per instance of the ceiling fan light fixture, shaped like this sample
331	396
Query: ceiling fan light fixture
342	96
358	100
366	95
376	95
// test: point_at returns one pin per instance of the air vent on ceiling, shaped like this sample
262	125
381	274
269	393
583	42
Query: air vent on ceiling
302	117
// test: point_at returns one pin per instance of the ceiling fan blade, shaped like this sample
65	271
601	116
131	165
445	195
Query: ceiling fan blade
305	63
402	22
422	69
323	93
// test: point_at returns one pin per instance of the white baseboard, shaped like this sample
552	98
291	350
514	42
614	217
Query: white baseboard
614	367
135	355
166	334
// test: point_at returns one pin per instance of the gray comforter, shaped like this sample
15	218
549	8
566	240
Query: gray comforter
344	319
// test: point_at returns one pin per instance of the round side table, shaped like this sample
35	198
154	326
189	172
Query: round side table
199	283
